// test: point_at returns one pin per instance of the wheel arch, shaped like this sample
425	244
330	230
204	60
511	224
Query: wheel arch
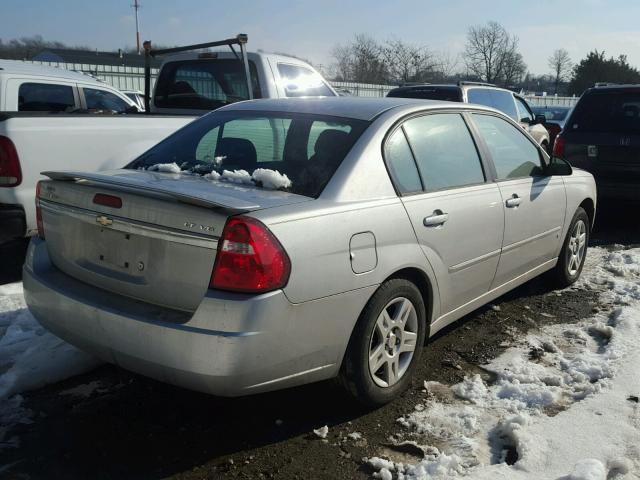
421	280
589	206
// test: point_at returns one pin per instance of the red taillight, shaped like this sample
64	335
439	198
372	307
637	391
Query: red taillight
558	147
250	259
39	222
10	173
107	200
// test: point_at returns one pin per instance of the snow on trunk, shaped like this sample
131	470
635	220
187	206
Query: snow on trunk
563	413
165	167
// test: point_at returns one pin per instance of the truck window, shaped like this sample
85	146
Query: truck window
445	93
103	100
45	97
299	81
498	99
204	84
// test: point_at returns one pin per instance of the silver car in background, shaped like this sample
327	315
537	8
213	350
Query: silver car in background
273	243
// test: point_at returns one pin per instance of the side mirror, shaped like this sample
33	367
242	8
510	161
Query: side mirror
559	166
131	109
540	119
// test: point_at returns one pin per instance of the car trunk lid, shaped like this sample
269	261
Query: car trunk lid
157	242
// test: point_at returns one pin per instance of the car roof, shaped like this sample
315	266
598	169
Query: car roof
24	68
614	87
358	108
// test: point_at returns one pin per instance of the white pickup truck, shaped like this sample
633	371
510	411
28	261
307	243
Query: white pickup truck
189	84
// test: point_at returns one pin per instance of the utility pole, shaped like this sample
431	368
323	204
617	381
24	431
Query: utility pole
136	7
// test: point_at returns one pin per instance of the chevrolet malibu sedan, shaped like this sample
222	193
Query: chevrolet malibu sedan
273	243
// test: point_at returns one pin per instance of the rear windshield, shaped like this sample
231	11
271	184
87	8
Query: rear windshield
551	114
607	112
204	84
297	153
449	94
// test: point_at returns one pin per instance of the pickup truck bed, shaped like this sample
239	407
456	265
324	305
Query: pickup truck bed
85	142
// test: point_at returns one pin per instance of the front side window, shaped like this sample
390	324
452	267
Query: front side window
45	97
299	81
444	151
524	115
204	84
401	164
234	141
103	100
513	155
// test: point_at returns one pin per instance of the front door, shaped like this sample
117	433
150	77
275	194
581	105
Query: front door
533	203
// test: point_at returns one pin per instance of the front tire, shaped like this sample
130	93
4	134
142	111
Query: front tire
574	250
386	344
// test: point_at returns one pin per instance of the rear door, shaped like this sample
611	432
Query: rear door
455	212
533	203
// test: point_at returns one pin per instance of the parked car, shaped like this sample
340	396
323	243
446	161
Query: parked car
27	87
487	94
302	239
602	136
555	118
189	84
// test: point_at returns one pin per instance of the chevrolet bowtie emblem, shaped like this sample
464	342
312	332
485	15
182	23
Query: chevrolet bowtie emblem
104	221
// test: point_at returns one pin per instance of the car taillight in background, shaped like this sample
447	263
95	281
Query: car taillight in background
39	222
10	172
558	147
250	258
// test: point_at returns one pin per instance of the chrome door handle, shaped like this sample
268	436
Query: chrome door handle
438	218
514	201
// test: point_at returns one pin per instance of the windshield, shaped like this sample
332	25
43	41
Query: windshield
298	153
449	94
607	112
552	114
204	84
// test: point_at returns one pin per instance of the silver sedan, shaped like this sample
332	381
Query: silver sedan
273	243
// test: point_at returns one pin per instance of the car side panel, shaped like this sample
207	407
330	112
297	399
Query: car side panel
533	230
579	186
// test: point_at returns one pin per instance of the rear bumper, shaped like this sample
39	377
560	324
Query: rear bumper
12	223
618	189
231	345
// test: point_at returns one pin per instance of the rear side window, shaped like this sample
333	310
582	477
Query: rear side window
401	163
513	155
498	99
607	112
299	81
45	97
228	141
204	84
103	100
444	151
448	94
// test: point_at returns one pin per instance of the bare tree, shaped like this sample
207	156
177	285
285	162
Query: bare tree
560	64
360	60
491	53
405	62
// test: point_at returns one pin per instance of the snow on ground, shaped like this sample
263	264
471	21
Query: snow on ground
30	357
562	405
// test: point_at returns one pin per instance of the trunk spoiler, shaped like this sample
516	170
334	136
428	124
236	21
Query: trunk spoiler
220	200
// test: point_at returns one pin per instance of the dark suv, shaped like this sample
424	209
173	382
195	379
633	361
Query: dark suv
602	135
486	94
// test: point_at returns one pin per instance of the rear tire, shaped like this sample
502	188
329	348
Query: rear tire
574	251
386	344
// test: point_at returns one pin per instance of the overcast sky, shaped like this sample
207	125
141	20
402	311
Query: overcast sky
311	28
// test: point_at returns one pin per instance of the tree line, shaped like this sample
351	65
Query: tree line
491	55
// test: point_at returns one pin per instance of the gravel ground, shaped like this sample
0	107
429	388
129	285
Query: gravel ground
112	424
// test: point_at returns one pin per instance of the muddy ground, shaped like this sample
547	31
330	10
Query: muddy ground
133	427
